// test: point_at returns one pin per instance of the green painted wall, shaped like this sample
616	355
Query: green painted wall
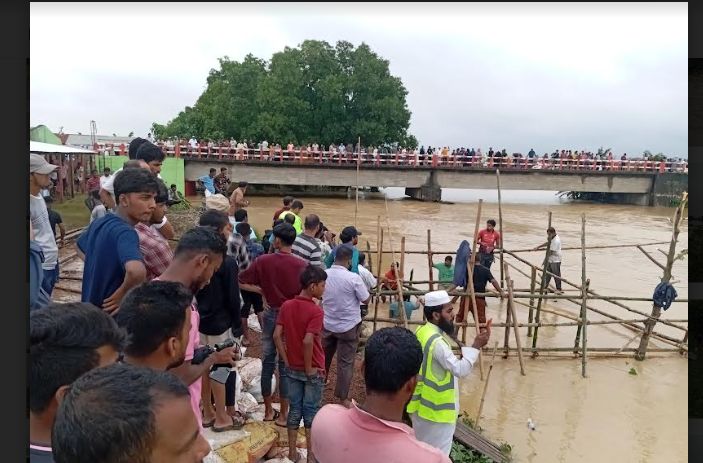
172	170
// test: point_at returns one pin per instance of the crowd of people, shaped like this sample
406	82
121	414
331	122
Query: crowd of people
138	368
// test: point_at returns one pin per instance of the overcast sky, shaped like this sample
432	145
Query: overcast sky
512	76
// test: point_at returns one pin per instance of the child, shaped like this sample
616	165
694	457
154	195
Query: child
300	322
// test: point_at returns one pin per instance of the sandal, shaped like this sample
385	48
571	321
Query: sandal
276	414
235	426
209	424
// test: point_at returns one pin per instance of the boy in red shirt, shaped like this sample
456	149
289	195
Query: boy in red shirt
488	240
300	322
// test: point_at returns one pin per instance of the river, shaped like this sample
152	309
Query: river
609	416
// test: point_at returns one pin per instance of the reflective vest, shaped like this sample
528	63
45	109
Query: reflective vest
434	399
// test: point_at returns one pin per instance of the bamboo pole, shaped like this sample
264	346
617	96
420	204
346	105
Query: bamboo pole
485	386
651	258
530	315
400	274
500	229
368	256
379	238
429	260
470	285
542	286
627	343
518	343
506	336
656	310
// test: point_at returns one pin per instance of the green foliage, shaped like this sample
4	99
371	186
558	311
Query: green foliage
461	454
633	372
653	157
314	93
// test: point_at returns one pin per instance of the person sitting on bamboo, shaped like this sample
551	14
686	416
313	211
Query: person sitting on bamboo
389	281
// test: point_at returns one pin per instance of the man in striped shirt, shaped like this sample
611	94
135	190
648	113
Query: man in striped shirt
306	246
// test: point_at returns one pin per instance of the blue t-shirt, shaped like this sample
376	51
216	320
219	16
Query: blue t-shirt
354	266
108	244
208	183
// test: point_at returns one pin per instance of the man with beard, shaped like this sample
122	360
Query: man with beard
434	406
199	254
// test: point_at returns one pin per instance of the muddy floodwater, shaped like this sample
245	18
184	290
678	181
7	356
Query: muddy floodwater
611	416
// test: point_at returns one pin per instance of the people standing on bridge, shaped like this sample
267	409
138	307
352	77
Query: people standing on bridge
287	200
295	208
488	240
554	258
434	406
237	200
222	181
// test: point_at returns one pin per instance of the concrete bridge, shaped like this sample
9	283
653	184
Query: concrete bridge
425	182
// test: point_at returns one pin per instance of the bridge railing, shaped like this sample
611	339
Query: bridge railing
413	160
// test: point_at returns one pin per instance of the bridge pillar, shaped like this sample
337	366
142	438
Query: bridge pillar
430	191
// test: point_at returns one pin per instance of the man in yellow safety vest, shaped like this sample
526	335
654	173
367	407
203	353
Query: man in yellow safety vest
434	406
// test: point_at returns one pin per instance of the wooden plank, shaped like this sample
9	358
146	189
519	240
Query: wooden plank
477	442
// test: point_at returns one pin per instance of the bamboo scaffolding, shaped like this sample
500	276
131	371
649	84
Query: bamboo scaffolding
485	386
656	310
595	296
368	256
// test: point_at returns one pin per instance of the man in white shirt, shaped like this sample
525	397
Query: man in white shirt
434	406
554	258
344	294
193	142
39	171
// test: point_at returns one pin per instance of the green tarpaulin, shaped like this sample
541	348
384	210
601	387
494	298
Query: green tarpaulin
43	134
172	170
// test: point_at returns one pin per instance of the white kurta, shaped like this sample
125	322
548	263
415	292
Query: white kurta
440	435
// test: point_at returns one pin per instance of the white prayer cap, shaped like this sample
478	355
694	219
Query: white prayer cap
435	298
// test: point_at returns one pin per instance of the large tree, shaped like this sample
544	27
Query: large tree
312	93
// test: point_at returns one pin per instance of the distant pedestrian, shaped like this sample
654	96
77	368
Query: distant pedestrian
554	258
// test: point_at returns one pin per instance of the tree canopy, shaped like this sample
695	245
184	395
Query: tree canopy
314	93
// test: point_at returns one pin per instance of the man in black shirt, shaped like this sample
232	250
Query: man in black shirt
219	309
482	276
55	219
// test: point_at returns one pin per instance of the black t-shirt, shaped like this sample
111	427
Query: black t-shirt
40	456
54	219
219	302
482	275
